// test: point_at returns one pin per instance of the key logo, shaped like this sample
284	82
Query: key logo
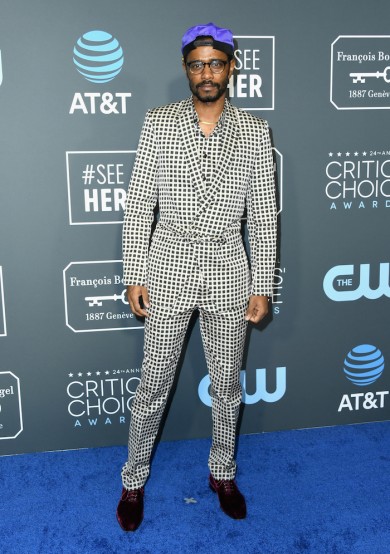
95	298
360	72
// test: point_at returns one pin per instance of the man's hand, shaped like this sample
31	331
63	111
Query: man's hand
134	294
257	308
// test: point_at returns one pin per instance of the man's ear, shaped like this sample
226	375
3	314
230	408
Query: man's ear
183	64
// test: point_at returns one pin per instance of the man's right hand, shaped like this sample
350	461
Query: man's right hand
134	295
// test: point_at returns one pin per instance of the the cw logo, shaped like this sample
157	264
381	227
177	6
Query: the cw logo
260	393
342	275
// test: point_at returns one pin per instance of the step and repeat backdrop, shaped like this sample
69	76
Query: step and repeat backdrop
76	80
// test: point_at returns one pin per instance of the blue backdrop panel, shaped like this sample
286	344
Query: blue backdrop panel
76	80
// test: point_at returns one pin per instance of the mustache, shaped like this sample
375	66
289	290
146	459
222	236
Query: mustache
208	83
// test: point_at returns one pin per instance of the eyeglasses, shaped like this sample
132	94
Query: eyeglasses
197	66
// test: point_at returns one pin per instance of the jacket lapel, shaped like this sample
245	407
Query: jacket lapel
187	134
229	145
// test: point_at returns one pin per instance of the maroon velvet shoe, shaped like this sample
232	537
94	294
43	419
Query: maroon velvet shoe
231	500
130	511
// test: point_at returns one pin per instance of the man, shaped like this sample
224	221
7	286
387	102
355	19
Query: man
203	161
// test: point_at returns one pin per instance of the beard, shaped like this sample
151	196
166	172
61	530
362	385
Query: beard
220	89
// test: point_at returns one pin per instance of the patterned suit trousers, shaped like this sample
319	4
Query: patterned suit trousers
223	336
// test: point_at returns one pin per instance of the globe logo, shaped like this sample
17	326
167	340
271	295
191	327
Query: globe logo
98	56
364	364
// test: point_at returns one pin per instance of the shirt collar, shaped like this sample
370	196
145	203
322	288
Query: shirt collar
221	121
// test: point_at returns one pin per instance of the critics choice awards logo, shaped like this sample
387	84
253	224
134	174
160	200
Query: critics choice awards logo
360	72
362	367
95	297
358	179
252	84
98	57
3	326
101	397
97	185
11	420
278	295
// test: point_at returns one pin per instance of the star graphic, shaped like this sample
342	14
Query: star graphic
80	374
190	500
356	153
107	373
347	154
97	372
364	153
70	374
339	154
89	374
330	154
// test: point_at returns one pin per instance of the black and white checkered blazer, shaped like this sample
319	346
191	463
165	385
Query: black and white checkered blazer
199	223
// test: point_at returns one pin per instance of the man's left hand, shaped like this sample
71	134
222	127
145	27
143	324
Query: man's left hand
257	308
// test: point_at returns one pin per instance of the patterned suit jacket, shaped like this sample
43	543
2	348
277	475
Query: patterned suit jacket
198	225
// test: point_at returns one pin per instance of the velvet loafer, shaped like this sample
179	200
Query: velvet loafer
130	510
231	500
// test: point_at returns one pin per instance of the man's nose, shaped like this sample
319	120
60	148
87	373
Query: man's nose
207	71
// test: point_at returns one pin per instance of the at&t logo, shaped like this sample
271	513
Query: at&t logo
342	283
363	366
261	392
98	57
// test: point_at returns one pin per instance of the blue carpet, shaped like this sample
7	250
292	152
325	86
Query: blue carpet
311	491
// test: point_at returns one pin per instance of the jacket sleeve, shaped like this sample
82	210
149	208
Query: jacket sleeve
140	202
261	211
